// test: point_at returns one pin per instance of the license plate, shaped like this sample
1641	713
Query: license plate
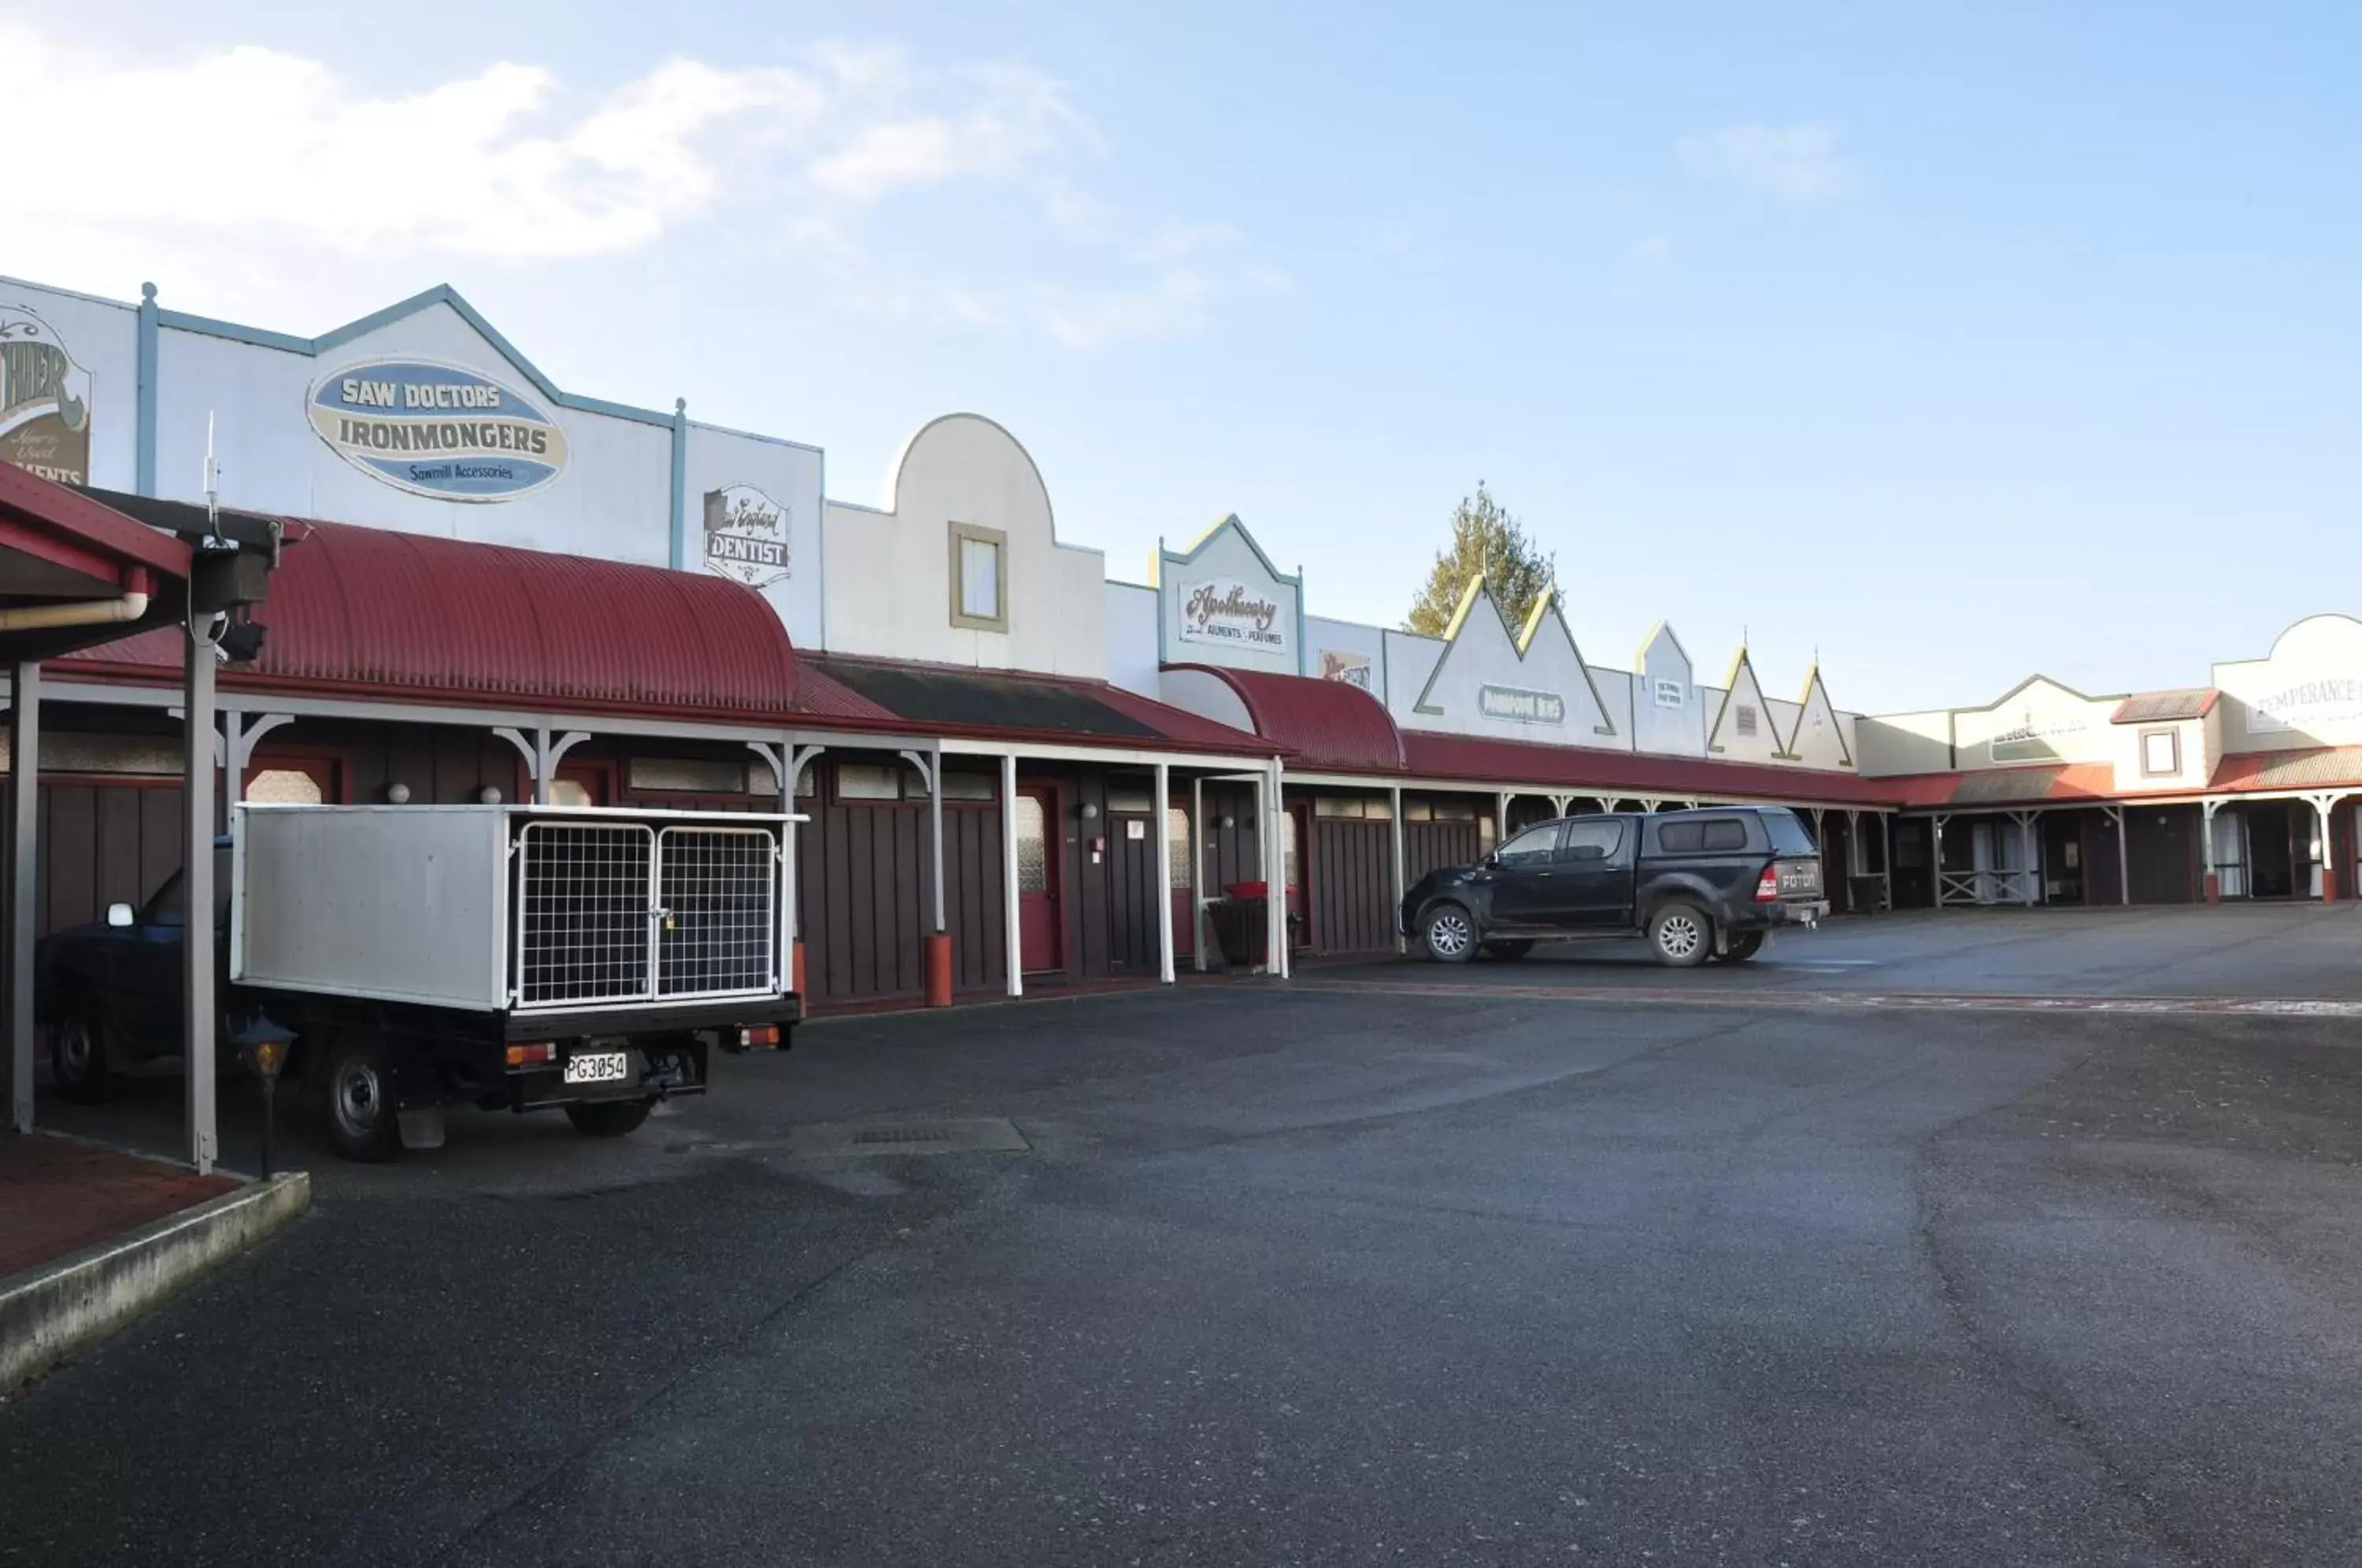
598	1067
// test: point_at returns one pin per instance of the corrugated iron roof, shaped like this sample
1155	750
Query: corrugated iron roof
1583	770
924	699
2327	767
374	613
1328	723
2163	707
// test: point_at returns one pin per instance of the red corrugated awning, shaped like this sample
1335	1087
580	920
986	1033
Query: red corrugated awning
57	546
387	616
1330	724
1581	770
902	698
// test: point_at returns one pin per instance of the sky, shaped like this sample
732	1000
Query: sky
1951	342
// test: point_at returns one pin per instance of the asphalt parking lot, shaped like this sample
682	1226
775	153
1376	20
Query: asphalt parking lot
1396	1263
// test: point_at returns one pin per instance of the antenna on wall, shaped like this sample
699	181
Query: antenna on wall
213	487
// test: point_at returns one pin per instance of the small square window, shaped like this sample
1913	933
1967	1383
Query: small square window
2161	754
980	577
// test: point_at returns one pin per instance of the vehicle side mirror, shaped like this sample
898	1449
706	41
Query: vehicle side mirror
119	916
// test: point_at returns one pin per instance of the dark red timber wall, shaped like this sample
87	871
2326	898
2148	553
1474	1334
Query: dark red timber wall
2163	845
1349	878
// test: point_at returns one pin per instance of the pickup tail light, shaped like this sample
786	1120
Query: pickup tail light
534	1055
1767	887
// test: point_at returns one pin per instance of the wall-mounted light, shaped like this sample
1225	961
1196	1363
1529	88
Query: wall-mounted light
397	794
489	794
1229	821
1091	810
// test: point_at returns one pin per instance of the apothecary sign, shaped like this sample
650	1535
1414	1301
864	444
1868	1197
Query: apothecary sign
1226	610
746	535
436	430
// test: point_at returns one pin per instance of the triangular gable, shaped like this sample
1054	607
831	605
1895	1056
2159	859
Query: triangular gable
1229	524
1666	697
2042	685
402	310
1544	638
1222	601
1817	739
1743	728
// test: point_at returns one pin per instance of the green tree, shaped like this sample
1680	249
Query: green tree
1485	540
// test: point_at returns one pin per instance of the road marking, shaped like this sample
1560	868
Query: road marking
1857	1002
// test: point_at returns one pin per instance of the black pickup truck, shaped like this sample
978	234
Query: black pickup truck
1696	884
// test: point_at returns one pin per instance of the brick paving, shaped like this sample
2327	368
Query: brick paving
59	1195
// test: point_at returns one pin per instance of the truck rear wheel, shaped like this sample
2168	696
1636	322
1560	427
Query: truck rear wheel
609	1117
1680	936
357	1098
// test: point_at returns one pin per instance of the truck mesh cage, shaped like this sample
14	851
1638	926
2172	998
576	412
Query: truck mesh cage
619	912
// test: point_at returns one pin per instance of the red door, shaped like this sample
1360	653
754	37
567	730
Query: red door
1033	813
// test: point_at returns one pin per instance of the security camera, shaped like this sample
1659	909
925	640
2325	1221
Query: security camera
240	641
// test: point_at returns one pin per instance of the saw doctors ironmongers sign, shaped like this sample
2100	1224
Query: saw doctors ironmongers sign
1520	706
44	400
438	430
746	535
1224	610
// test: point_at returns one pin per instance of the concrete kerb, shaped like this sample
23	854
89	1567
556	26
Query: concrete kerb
54	1310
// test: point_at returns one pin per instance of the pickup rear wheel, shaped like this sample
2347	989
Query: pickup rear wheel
1680	936
609	1117
357	1095
78	1057
1743	945
1449	934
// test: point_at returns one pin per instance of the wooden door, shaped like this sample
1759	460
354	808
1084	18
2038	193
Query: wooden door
1033	816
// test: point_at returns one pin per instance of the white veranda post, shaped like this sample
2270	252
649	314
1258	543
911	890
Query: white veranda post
1161	879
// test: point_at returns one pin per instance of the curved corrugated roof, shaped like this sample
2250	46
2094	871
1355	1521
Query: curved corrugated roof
1329	724
372	613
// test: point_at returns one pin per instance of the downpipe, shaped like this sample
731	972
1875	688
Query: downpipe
81	613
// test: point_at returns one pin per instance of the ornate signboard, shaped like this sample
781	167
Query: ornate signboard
1226	610
1521	706
1353	669
746	537
44	401
441	431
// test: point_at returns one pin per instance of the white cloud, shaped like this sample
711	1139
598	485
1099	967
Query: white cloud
256	151
1797	163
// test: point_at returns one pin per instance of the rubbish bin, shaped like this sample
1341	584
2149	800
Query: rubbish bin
1240	927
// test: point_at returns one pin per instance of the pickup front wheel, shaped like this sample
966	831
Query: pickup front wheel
78	1057
609	1117
1680	936
1449	934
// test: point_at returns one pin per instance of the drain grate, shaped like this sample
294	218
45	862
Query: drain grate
903	1135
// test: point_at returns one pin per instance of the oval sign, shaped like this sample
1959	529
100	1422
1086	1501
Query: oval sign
438	430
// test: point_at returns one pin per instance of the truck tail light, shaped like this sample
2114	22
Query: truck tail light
538	1052
1767	887
758	1037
